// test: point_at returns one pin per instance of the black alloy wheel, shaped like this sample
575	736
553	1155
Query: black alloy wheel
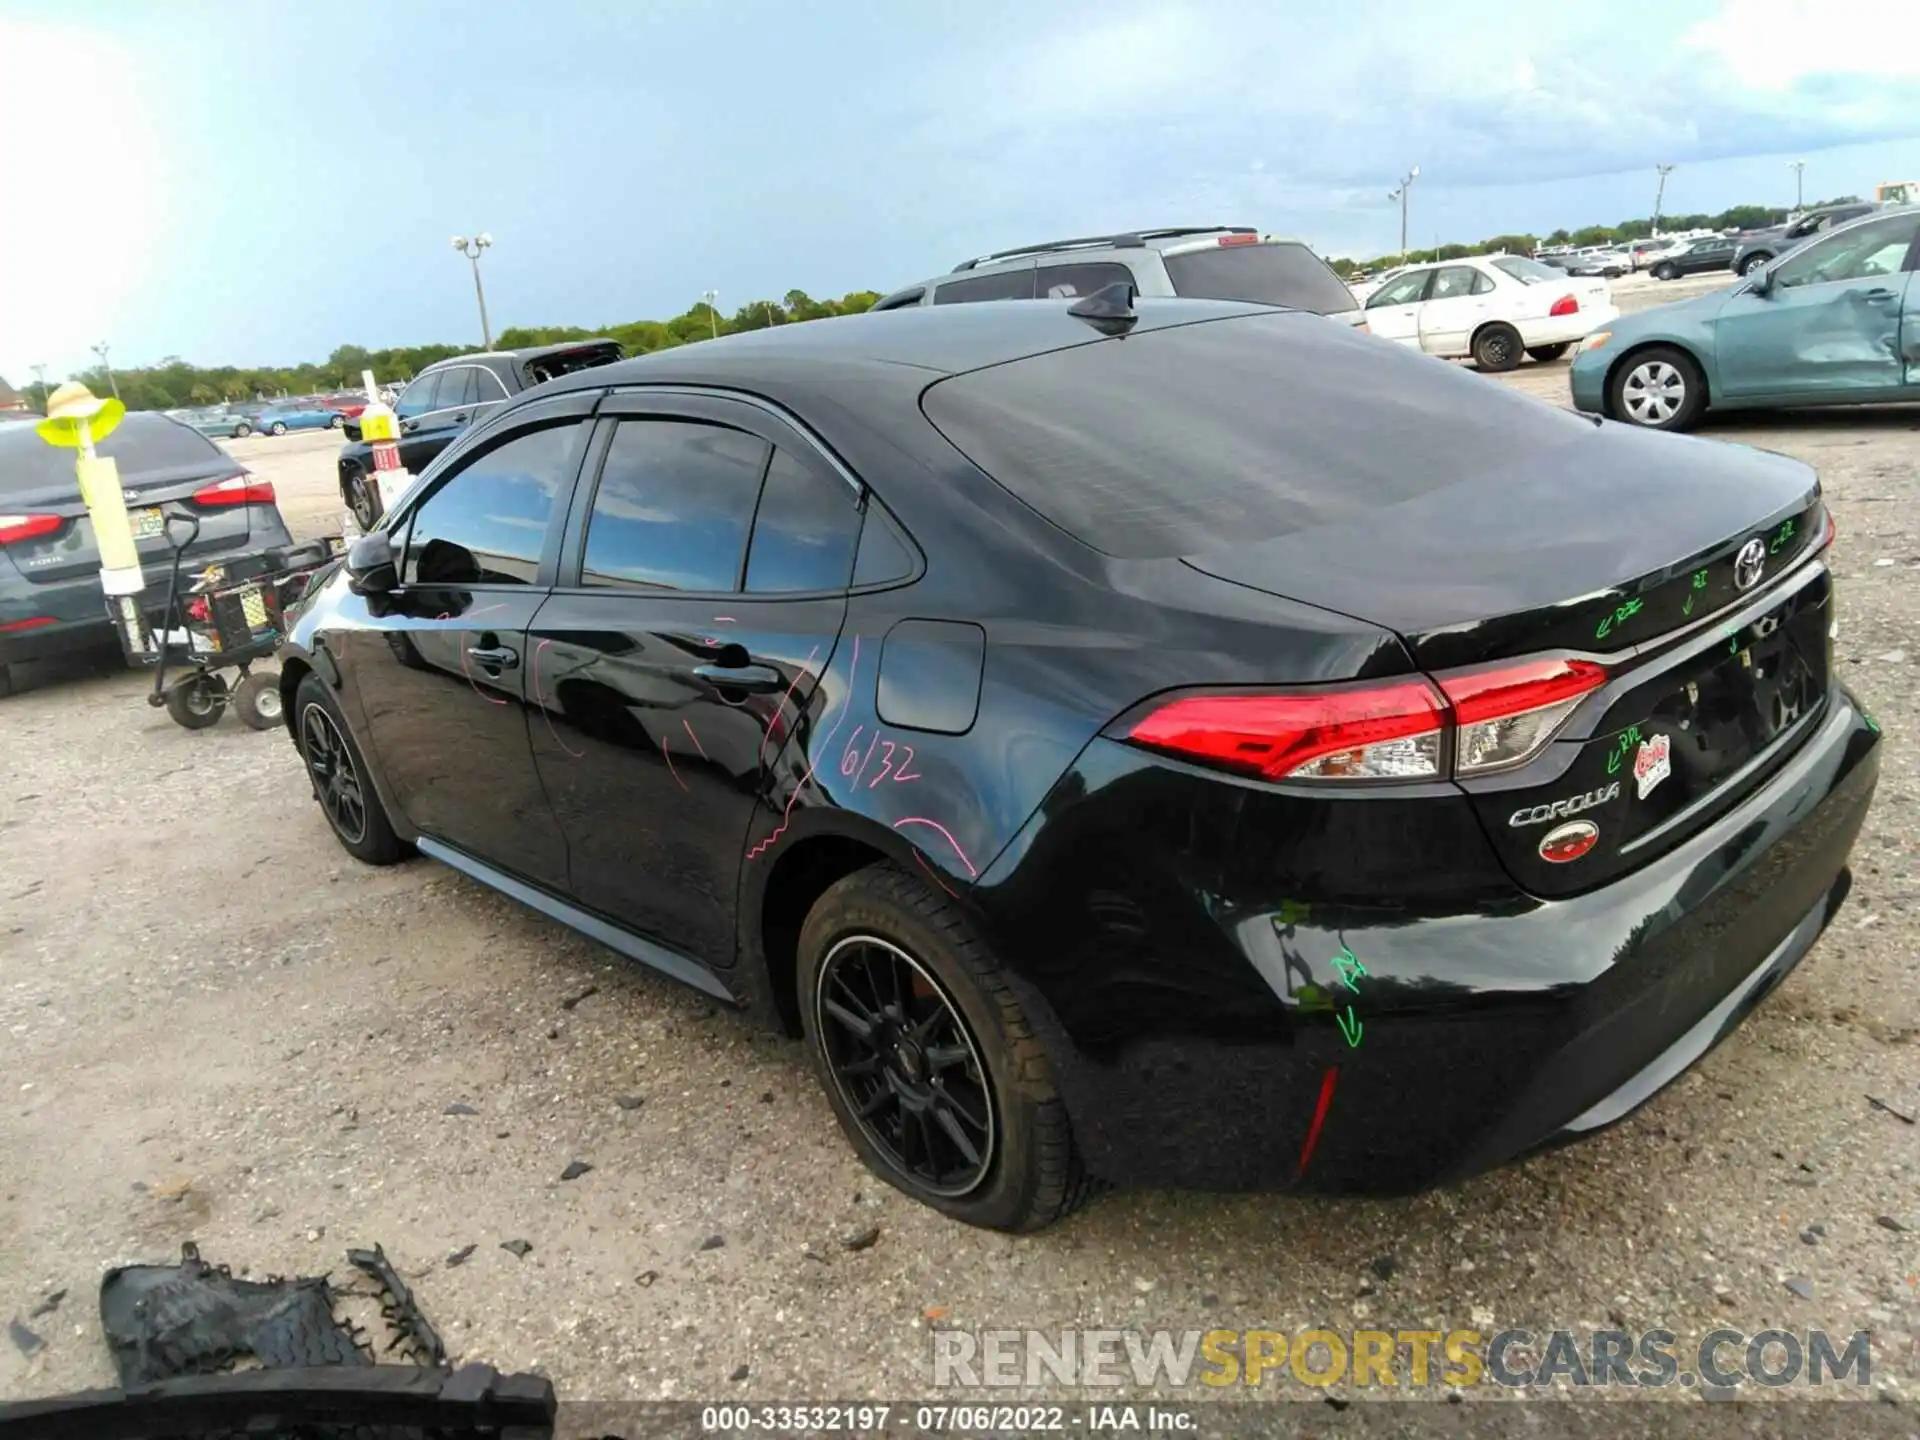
906	1065
336	779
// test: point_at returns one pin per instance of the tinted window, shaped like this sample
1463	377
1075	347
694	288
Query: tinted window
1404	291
673	506
1876	248
417	399
805	531
1171	443
488	523
1064	282
1532	272
487	386
1271	273
883	554
1001	285
456	388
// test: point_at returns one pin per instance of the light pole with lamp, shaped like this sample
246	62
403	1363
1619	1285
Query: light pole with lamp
1660	194
712	297
40	377
1799	168
471	249
1401	195
112	384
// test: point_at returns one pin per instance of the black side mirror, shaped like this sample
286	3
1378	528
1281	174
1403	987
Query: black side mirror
370	566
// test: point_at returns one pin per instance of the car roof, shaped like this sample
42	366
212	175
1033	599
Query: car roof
531	352
933	339
1168	237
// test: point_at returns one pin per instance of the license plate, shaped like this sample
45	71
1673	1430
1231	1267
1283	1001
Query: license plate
147	524
253	605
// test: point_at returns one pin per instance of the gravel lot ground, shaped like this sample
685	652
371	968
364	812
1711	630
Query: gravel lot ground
217	1027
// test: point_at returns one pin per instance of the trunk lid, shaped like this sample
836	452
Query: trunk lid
1682	567
162	463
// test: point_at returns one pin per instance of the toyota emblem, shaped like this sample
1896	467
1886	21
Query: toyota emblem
1748	564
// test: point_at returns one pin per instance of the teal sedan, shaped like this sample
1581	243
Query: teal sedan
1835	322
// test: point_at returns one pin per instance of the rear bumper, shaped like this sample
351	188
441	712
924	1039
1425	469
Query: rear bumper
1568	328
1479	1030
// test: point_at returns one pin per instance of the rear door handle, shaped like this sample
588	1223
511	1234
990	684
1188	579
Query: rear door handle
1878	297
754	679
495	657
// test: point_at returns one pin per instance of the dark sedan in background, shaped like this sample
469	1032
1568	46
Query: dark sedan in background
50	598
1110	772
1700	258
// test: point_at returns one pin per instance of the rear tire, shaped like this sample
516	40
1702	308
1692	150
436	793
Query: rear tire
1665	272
338	422
1546	354
361	497
1657	389
279	428
1497	348
339	777
1753	263
948	1041
195	701
242	430
256	700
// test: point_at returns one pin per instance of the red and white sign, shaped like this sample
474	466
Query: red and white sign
1652	763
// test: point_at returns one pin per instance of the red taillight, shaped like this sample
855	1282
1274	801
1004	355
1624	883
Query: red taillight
12	626
26	527
1379	732
1239	239
1566	305
1829	530
1507	715
1496	719
235	490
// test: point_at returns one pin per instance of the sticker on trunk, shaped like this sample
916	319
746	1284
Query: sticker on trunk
1652	763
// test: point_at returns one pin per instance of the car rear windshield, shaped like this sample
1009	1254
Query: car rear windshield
1179	440
1528	272
565	362
147	446
1274	272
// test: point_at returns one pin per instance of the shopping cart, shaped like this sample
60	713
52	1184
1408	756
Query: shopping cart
225	615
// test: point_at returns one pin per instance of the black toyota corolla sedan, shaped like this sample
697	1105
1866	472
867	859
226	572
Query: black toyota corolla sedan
1157	742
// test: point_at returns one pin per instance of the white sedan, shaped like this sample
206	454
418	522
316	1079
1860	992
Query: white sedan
1490	308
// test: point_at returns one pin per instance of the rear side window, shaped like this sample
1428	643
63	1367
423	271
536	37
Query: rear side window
456	388
673	507
1270	273
1528	272
1001	285
145	447
1180	440
417	399
805	531
488	523
1064	282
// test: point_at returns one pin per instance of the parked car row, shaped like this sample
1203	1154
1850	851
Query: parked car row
272	417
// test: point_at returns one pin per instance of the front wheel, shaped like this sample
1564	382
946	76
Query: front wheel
928	1059
361	499
1658	389
242	430
338	422
279	428
1753	263
256	700
1497	348
1547	353
195	701
1665	272
339	778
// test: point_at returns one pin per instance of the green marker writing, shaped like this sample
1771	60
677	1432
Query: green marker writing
1348	965
1350	1027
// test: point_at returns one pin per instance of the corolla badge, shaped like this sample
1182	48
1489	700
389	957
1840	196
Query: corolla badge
1569	842
1561	809
1748	564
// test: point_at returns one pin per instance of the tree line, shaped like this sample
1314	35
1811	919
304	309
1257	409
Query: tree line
175	384
1739	217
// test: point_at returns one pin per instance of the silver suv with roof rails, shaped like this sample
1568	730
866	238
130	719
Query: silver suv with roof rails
1202	262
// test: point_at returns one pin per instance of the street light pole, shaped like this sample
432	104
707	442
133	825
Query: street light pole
40	375
1659	195
1401	195
712	297
471	249
1799	168
112	384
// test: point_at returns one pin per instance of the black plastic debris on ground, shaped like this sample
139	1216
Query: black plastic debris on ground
392	1402
164	1321
411	1330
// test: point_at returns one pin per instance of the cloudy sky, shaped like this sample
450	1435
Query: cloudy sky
259	181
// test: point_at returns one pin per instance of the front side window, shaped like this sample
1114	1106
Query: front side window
1407	290
806	530
673	507
1876	248
488	523
1002	285
418	397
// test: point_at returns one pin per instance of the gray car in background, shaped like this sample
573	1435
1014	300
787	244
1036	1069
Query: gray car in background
51	603
1196	262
